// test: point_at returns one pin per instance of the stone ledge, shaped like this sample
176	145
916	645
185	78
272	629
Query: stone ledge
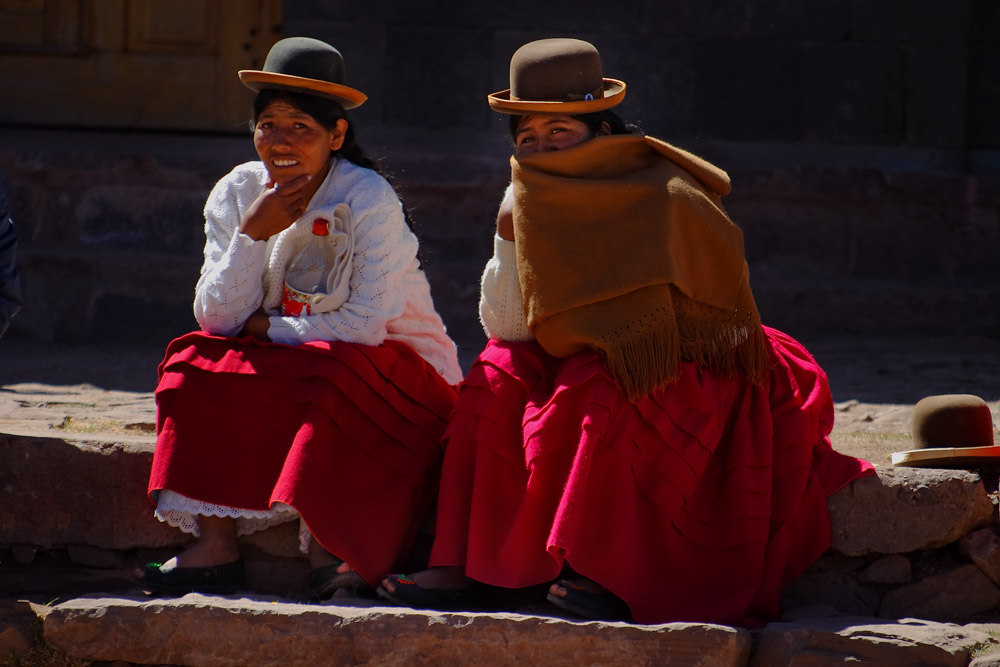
212	631
94	508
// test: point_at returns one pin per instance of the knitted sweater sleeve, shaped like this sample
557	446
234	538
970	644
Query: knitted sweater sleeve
229	289
500	309
384	251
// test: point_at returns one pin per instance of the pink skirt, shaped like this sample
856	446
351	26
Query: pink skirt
348	435
698	503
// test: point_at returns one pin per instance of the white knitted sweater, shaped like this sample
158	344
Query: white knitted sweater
501	309
389	299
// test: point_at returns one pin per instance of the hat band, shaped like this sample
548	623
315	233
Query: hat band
598	93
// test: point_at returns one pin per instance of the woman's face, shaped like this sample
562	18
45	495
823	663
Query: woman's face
538	134
291	143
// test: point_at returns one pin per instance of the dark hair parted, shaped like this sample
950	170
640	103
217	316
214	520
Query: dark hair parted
326	112
593	121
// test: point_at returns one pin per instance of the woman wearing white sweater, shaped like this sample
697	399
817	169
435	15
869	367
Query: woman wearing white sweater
333	416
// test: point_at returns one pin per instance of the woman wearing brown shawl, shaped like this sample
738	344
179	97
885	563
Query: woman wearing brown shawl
631	426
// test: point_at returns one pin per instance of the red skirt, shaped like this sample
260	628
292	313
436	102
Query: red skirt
348	435
698	503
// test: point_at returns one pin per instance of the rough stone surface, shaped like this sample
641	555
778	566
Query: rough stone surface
832	580
907	509
829	642
16	636
986	660
893	569
203	631
96	557
82	476
983	547
959	594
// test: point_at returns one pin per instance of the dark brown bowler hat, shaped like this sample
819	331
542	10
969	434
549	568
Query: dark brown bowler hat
304	65
950	431
559	75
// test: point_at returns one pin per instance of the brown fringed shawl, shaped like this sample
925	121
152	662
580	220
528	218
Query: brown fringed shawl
623	246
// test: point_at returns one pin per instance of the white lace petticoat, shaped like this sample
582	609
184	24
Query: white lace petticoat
182	512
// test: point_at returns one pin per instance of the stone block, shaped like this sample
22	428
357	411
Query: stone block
661	98
748	90
17	636
888	570
146	217
457	62
904	21
570	18
830	642
95	557
216	631
832	580
991	659
983	548
984	94
128	297
900	510
852	93
936	82
760	19
984	21
95	494
958	595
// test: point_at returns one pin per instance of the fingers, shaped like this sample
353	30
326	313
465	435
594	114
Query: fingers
291	187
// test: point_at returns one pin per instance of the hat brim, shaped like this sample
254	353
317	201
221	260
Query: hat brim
614	93
948	457
258	80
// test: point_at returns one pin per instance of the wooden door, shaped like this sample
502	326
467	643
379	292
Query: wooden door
132	64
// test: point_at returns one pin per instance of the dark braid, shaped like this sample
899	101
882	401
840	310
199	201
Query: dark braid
326	112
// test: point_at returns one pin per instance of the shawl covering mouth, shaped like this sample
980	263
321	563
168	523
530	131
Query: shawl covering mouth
623	247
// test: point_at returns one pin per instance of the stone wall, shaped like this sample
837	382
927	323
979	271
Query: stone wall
907	542
861	139
846	72
913	577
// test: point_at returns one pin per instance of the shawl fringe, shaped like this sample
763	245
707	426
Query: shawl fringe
644	355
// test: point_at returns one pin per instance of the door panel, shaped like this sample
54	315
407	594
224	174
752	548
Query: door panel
132	64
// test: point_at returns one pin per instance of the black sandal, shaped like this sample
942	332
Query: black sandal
324	581
227	578
604	606
410	594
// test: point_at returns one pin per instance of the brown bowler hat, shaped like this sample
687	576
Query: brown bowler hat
304	65
950	431
559	75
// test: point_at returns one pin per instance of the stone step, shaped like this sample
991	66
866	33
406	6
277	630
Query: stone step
908	543
213	631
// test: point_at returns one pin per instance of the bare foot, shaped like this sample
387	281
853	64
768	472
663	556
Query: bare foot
435	578
217	545
320	557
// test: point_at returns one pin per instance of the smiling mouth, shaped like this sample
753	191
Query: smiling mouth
284	163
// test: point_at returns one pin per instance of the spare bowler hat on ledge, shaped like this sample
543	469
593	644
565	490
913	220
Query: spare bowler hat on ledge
304	65
951	431
558	76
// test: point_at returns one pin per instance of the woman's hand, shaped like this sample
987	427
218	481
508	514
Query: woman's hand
257	325
277	207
